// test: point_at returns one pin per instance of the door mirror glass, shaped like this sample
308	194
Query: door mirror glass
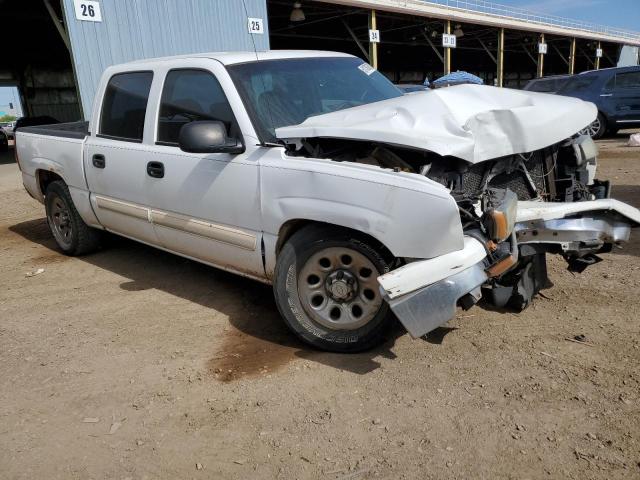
207	136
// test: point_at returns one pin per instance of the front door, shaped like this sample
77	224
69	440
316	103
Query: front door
205	206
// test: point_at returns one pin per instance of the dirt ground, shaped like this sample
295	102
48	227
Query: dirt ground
135	364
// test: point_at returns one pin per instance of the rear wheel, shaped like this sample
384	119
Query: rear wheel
327	291
73	236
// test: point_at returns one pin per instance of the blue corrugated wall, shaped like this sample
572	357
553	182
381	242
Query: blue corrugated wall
134	29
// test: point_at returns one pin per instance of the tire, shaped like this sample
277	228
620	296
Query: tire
598	128
326	289
73	236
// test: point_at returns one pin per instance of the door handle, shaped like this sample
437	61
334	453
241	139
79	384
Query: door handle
606	95
98	161
155	169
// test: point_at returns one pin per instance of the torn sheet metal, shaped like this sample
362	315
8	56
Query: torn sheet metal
531	210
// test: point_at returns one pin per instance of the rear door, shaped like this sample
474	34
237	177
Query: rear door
626	95
115	157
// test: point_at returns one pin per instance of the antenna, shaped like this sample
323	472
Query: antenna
253	41
264	87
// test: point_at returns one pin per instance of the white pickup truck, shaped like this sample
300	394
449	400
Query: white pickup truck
311	171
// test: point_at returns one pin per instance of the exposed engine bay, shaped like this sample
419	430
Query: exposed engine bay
561	172
487	194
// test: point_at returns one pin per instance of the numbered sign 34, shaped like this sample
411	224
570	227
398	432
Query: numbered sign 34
87	10
255	25
374	36
449	41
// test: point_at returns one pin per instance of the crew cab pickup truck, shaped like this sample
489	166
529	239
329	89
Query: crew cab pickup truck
312	172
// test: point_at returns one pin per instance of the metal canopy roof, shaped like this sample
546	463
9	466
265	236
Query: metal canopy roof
497	15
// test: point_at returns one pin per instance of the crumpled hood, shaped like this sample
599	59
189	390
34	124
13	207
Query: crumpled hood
471	122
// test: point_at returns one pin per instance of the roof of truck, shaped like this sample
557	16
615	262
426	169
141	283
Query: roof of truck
229	58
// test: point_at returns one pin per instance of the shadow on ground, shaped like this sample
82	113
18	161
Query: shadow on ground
259	342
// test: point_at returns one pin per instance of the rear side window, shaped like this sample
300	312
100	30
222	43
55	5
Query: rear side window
628	80
578	83
125	105
543	86
191	95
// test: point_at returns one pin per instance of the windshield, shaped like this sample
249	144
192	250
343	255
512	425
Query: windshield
279	93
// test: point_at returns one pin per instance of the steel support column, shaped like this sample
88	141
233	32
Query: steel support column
598	58
447	51
572	57
373	46
501	58
541	59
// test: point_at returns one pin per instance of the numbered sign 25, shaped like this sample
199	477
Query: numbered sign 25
87	10
255	25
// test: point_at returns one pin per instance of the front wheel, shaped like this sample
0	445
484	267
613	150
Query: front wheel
597	128
73	236
327	291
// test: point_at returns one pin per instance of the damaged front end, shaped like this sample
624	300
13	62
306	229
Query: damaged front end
504	257
522	178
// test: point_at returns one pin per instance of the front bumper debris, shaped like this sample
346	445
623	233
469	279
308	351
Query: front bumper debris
428	308
424	294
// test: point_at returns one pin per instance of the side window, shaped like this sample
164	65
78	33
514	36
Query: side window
190	95
125	105
628	80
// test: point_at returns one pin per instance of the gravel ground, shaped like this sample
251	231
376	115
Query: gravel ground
134	363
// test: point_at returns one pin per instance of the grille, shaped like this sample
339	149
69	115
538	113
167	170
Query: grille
514	181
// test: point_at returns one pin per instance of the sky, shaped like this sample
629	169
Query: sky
8	95
624	14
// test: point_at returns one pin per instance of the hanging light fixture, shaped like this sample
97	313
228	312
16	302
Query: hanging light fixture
297	15
458	31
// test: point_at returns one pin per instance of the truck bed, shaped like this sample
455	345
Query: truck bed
78	130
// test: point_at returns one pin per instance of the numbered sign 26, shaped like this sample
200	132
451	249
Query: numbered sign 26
87	10
255	25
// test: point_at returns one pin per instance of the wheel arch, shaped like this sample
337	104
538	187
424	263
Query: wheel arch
44	178
292	226
606	116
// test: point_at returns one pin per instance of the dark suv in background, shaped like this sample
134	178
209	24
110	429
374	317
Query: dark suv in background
616	93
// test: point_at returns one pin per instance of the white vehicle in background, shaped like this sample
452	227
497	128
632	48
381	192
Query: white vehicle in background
310	171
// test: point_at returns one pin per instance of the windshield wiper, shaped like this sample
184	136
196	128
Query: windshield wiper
271	144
